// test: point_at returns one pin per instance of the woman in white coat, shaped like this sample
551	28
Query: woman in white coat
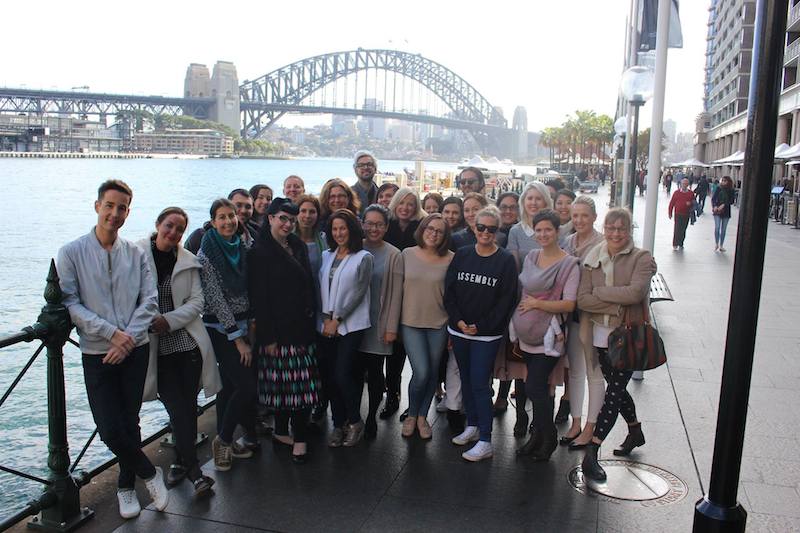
180	349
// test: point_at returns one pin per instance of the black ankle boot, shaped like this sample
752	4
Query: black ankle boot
391	406
370	428
546	432
563	412
590	465
634	439
529	447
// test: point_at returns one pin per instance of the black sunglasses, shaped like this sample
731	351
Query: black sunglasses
483	227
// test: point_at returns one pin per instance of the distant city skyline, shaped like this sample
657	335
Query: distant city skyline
551	58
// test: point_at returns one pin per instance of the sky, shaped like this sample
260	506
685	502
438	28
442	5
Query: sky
553	57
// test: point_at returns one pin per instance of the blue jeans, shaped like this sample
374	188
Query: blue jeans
424	347
475	364
720	227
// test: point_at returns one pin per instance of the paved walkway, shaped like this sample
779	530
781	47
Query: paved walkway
395	484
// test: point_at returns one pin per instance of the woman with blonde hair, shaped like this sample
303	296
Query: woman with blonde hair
293	188
405	213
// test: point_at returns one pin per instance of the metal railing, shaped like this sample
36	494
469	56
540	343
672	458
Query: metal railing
58	507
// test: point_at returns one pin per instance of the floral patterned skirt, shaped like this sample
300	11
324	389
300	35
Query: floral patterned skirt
289	380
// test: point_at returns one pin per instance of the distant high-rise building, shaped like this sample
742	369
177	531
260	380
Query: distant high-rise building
376	125
670	130
519	136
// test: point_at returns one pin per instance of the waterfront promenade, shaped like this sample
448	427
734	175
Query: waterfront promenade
396	484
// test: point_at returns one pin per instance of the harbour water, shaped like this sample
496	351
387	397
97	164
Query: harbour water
48	202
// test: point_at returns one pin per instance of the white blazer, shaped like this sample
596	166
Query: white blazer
336	294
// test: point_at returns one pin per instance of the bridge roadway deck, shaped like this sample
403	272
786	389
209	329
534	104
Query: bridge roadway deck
395	484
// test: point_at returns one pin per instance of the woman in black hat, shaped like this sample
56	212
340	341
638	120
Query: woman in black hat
283	302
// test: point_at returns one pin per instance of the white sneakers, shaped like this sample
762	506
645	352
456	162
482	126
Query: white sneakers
128	503
158	491
482	450
471	434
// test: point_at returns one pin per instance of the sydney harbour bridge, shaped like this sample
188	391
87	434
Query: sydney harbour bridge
387	84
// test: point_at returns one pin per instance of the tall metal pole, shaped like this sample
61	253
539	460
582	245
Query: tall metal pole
719	509
630	60
635	153
656	125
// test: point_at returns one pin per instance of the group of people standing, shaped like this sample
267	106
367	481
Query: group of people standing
290	304
687	204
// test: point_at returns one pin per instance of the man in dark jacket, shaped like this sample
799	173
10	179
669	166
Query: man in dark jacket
700	192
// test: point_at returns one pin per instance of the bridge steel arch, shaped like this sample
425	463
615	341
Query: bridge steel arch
289	85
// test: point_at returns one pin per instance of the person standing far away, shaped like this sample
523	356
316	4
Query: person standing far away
471	180
112	298
365	166
721	202
700	192
681	203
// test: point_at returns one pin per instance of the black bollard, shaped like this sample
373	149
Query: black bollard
66	514
719	510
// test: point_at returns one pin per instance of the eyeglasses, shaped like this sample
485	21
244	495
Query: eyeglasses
285	218
365	165
615	229
374	225
434	231
508	208
468	181
483	227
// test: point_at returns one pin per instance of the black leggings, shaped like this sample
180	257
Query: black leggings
372	365
236	402
617	400
178	380
299	420
538	390
394	369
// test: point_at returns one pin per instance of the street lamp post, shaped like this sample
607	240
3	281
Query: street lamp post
637	88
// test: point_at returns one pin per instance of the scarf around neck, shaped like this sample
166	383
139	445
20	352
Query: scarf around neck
227	259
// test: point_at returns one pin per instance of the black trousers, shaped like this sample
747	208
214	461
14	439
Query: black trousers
537	389
394	369
679	235
115	398
617	399
372	366
178	383
236	402
299	420
338	365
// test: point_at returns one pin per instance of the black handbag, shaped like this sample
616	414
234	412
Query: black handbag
636	346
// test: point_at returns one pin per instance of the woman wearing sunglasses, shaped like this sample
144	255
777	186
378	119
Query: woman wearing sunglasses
480	293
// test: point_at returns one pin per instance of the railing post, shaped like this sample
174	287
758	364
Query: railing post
67	513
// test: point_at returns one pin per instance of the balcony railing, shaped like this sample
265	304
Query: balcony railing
792	52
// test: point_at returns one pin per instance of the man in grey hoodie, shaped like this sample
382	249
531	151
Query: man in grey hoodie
111	296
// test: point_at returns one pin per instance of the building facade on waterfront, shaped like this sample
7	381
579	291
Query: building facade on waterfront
721	128
191	141
32	133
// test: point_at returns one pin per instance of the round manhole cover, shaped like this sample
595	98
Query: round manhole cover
632	481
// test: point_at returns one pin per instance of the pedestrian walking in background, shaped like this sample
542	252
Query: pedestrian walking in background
681	205
700	193
721	203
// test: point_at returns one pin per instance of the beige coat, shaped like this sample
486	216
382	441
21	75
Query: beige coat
391	293
606	305
187	298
